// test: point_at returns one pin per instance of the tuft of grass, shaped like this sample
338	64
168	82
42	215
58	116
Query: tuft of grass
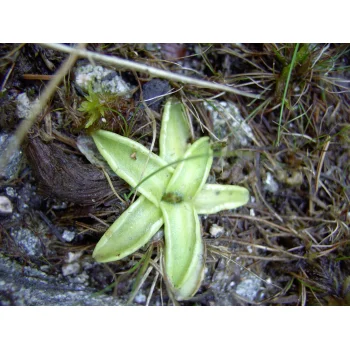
285	75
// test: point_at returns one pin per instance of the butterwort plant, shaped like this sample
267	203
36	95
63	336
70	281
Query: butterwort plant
173	192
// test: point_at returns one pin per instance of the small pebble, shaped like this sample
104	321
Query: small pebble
70	269
216	230
228	122
101	79
23	106
140	298
270	184
68	236
10	192
27	241
249	287
153	93
5	206
45	268
10	171
73	257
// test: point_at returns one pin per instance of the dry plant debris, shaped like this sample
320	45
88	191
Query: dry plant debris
288	246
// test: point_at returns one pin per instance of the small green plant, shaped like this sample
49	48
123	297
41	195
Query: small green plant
172	197
106	110
94	107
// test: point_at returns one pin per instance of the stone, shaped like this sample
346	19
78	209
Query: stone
26	286
12	168
5	206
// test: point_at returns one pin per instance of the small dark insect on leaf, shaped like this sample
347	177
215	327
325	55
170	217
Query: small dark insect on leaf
172	197
67	177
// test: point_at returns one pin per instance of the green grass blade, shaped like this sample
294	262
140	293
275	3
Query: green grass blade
285	93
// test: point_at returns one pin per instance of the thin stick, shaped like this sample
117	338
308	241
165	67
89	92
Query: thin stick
251	272
112	187
7	77
253	218
99	220
267	205
37	76
152	288
24	127
320	163
138	67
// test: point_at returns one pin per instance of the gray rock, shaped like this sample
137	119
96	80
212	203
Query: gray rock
28	242
5	206
11	192
68	236
24	285
101	79
249	287
153	93
12	168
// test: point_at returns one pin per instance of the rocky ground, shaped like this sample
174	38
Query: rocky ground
290	147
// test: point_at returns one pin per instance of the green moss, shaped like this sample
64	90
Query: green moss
94	107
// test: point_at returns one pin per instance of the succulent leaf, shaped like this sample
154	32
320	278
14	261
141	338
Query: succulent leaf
174	132
184	249
133	162
190	174
132	230
214	198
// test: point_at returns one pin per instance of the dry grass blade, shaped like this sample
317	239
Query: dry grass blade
119	62
320	164
152	288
